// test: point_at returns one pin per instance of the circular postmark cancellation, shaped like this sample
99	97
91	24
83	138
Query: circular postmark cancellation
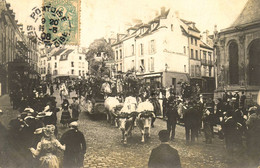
51	25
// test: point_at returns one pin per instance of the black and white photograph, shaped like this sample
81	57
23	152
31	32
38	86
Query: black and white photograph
129	84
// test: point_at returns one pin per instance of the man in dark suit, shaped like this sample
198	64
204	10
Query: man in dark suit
172	116
164	156
75	147
190	118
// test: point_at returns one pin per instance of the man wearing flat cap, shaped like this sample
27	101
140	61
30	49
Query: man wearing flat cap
75	143
164	156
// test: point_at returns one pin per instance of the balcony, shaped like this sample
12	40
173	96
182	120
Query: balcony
206	62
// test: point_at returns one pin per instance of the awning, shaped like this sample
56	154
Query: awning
152	75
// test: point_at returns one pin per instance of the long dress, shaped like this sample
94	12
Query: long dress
46	150
65	117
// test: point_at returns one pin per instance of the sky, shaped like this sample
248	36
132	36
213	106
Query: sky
101	17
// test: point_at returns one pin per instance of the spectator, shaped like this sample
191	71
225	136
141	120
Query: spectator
75	147
75	109
172	116
242	101
65	116
164	155
190	123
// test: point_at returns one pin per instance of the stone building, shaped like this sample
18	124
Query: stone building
238	54
18	53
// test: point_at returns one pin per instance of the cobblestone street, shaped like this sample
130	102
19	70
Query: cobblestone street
104	148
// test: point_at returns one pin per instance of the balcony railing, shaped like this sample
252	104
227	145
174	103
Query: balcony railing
206	62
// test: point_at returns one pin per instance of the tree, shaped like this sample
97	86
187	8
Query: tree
98	47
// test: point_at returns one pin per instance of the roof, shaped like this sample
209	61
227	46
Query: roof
64	56
59	52
250	13
205	45
191	25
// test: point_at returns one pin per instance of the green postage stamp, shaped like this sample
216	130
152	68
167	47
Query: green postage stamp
60	22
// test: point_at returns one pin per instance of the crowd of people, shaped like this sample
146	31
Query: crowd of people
35	128
32	138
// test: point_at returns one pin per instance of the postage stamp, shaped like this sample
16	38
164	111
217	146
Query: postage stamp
69	9
57	22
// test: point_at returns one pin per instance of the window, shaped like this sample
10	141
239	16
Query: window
80	58
83	74
120	53
152	64
72	71
141	49
191	40
55	57
254	63
79	72
79	64
196	42
82	64
171	27
116	55
133	49
55	65
185	68
44	62
121	68
197	56
153	49
210	59
197	71
133	63
184	50
210	70
72	64
191	53
233	63
142	65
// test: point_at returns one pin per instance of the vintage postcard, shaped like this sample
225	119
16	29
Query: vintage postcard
129	83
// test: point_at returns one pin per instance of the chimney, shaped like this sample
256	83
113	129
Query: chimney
162	10
207	36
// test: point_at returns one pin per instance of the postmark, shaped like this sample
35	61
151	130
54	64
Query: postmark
56	22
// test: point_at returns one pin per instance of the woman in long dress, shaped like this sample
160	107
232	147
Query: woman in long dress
47	149
65	115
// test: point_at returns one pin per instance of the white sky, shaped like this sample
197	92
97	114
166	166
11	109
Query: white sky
99	17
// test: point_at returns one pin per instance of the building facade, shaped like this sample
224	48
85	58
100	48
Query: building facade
67	61
167	50
18	53
238	50
201	58
155	51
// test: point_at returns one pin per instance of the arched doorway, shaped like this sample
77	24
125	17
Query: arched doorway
254	63
233	63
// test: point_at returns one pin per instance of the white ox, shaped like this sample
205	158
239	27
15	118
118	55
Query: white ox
144	118
126	118
110	104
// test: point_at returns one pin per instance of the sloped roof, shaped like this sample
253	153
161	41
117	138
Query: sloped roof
64	56
191	25
205	45
59	52
250	13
